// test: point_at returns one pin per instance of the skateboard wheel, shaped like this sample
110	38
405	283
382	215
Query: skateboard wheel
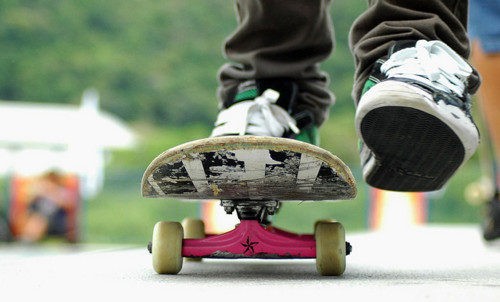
167	247
193	229
330	248
322	221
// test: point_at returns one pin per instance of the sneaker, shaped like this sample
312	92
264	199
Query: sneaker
264	108
491	224
414	117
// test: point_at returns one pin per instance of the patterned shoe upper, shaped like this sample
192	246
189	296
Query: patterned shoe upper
264	108
433	66
260	116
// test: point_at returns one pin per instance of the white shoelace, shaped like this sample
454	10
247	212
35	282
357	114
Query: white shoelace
256	117
432	62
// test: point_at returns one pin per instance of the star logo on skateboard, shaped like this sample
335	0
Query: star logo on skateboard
249	246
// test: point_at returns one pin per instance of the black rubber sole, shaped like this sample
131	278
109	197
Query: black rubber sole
414	151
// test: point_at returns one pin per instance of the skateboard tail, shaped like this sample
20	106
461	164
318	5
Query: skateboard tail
248	168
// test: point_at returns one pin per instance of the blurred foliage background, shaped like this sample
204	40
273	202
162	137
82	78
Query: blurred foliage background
154	64
153	61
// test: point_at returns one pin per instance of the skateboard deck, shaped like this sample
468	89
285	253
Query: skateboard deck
248	167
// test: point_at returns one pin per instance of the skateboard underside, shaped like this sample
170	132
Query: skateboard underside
246	167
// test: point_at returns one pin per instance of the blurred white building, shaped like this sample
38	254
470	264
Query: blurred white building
38	137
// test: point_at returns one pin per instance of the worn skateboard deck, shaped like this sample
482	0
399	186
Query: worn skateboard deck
248	167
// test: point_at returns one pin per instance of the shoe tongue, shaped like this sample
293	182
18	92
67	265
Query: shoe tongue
247	90
399	45
251	89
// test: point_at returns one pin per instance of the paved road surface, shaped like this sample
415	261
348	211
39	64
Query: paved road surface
432	263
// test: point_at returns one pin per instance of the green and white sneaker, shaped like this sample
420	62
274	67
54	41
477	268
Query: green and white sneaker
263	108
414	117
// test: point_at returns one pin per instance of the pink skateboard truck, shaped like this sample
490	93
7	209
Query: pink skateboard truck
250	239
254	237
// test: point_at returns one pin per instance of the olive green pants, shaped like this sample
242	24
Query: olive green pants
290	38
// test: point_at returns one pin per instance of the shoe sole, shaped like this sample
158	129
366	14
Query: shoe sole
412	149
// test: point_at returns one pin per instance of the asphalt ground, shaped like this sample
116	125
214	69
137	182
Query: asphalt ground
430	263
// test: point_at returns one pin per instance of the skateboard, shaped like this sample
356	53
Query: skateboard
252	176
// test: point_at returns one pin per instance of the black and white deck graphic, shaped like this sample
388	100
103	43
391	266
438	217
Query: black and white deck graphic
248	174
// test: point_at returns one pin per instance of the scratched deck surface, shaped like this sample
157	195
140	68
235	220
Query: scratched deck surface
248	167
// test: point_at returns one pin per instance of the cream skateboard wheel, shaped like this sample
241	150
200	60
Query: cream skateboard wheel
193	229
330	248
167	247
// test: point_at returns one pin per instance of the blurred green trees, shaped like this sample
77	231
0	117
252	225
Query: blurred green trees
151	60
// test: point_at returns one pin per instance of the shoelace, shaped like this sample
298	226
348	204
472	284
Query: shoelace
257	117
433	62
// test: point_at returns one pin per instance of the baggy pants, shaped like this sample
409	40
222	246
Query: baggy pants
290	38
